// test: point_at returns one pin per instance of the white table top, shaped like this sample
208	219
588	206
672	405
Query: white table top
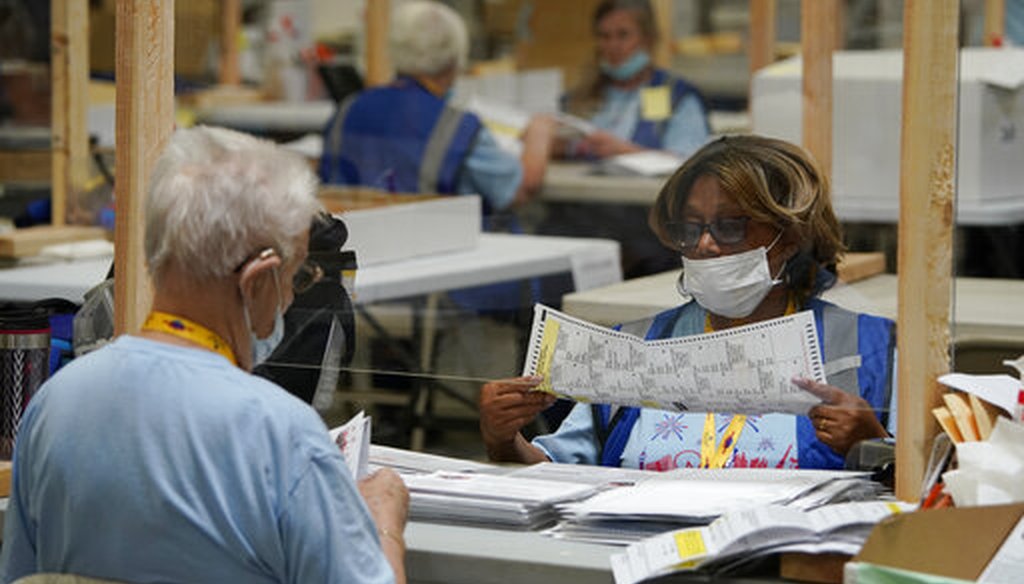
984	307
475	555
281	116
498	257
577	182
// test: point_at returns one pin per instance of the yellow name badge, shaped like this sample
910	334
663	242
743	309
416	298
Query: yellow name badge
655	103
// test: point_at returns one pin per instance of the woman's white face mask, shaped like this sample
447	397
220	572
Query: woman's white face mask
732	285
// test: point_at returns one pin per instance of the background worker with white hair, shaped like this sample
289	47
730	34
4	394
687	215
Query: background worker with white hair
406	137
166	438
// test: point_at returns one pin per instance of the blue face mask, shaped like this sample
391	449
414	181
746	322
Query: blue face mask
628	69
262	348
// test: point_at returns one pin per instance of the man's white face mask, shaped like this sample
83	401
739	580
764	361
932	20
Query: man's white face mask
731	285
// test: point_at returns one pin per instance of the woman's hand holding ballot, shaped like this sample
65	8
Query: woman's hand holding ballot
506	406
842	419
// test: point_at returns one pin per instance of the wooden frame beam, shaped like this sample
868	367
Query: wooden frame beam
378	21
145	119
662	56
231	22
69	71
761	45
817	41
995	22
927	187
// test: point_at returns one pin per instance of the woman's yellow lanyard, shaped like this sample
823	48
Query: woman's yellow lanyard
712	456
184	328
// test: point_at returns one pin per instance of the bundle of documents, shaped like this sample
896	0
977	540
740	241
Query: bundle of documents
989	472
491	500
406	462
743	535
353	439
970	413
687	497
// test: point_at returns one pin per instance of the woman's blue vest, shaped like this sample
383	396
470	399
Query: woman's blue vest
650	133
399	138
858	351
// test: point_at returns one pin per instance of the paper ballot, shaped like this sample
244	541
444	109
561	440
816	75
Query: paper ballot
353	438
750	532
745	370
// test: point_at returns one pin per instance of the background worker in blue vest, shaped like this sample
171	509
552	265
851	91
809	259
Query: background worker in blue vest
406	137
753	221
635	106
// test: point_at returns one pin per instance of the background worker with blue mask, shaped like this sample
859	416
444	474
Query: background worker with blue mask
635	105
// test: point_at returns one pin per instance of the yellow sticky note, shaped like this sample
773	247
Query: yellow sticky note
690	544
655	103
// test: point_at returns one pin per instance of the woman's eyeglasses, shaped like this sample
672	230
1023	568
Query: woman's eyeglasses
725	230
307	275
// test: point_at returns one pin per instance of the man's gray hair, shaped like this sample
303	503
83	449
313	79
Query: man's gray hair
427	38
217	197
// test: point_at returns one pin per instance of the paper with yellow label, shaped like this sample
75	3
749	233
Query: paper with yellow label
745	370
748	533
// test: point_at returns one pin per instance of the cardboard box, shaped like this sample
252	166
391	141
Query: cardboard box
387	227
953	543
867	97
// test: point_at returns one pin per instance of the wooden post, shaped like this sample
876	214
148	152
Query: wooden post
69	70
927	182
995	22
761	50
662	56
231	18
817	39
761	44
378	65
145	119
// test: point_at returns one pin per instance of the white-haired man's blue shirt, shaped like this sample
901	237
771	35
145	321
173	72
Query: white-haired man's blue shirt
147	462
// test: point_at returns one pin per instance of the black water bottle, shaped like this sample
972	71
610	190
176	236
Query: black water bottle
24	365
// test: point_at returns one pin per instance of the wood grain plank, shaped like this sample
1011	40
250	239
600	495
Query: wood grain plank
817	40
927	182
145	119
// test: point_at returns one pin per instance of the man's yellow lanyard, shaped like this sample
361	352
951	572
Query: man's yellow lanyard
717	457
184	328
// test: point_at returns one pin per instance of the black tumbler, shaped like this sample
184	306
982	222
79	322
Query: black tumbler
24	365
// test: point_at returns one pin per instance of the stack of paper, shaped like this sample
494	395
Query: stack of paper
742	535
353	439
989	472
687	497
491	500
971	415
643	163
410	462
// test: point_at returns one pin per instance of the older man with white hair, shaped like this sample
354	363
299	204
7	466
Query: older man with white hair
406	137
159	457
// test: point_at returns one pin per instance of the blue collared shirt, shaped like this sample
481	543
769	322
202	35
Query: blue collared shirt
147	462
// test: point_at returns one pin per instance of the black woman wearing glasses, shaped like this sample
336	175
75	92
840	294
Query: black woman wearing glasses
753	220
